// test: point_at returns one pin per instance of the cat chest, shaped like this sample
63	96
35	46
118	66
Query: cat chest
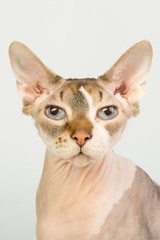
80	220
90	221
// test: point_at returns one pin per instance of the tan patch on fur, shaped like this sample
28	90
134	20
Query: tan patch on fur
114	127
54	79
81	81
100	95
27	109
61	95
135	109
80	124
140	205
51	130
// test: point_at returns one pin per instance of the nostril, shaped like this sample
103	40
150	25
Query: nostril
75	138
87	138
81	137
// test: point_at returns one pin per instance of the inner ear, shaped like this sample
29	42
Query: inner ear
128	75
33	77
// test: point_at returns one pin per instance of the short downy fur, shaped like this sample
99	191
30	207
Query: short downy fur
87	192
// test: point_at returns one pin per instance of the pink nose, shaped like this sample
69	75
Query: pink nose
81	137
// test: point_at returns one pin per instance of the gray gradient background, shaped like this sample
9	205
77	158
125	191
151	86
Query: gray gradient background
75	39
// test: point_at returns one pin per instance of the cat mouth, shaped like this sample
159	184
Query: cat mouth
80	160
81	153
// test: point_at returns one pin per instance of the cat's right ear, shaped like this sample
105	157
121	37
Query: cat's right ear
33	77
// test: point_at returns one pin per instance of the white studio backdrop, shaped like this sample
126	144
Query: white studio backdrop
75	38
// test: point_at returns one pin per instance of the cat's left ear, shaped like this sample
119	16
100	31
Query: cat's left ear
128	75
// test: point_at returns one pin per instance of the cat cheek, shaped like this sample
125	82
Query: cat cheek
101	148
98	146
65	147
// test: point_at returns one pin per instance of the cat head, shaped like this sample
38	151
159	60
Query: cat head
81	119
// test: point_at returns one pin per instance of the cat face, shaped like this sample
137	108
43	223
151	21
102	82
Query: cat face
81	119
81	99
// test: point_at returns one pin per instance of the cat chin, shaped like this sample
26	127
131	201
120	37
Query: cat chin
81	160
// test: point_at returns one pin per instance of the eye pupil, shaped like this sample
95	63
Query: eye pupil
54	111
108	111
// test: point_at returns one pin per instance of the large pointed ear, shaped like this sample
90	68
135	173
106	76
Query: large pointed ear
33	77
128	75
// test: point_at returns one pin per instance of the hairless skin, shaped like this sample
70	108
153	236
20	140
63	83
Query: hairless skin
86	191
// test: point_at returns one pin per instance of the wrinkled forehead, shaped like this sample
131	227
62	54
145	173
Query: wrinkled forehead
81	94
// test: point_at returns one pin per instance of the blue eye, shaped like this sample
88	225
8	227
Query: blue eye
54	112
107	113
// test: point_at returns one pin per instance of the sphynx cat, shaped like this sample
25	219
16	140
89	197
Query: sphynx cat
87	192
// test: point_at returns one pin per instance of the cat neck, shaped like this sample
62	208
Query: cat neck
63	185
112	170
60	167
